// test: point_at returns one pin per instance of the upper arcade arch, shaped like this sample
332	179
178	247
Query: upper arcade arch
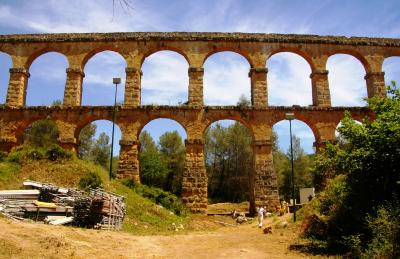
38	54
153	51
237	51
355	54
94	52
346	80
98	87
5	65
289	80
226	78
298	51
391	68
47	75
196	48
164	79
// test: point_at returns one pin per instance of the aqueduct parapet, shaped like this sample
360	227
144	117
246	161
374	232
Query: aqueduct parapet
131	117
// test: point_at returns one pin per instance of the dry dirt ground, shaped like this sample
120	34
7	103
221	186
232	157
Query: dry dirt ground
35	240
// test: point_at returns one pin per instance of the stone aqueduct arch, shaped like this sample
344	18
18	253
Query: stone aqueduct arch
194	117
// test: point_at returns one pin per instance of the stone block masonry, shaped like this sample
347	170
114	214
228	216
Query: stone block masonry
194	117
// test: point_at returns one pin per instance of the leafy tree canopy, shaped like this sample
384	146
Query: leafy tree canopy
368	167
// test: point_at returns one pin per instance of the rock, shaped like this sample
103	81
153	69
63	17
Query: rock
267	230
240	219
283	224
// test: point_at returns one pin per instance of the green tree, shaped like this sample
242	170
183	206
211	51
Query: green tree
100	153
86	141
172	152
368	166
243	102
153	170
42	133
228	162
146	141
301	165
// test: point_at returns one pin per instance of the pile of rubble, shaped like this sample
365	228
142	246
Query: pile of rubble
59	206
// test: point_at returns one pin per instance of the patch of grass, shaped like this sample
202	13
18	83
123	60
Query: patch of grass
143	216
89	181
8	172
8	248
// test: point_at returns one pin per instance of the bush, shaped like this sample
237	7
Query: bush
385	228
26	152
163	198
20	153
3	156
89	181
130	183
56	152
322	216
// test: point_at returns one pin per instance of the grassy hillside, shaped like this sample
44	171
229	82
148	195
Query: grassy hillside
143	215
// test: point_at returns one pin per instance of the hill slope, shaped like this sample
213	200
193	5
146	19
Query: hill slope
143	215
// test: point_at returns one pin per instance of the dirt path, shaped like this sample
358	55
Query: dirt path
29	240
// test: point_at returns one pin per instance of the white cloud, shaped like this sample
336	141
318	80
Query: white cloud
165	79
346	81
299	129
5	64
391	67
226	79
289	80
76	16
50	67
102	67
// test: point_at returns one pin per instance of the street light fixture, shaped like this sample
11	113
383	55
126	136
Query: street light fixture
290	116
116	81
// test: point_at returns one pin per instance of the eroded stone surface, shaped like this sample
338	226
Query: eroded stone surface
194	117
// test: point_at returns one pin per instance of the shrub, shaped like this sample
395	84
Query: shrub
3	156
23	152
26	152
322	216
385	228
157	195
130	183
89	181
56	152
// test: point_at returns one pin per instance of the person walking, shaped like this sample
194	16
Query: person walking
260	212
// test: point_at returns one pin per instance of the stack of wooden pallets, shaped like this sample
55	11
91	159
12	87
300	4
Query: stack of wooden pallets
110	208
98	209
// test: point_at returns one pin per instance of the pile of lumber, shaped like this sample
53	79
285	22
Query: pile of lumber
57	206
20	194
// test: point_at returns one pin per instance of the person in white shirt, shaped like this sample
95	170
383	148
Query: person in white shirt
260	211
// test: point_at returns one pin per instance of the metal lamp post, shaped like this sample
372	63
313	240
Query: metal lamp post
290	116
116	81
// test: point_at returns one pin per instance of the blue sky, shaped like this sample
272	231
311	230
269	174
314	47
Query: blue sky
165	77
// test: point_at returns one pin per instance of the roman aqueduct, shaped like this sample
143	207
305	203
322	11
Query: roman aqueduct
194	116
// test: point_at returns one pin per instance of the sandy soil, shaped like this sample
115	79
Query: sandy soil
35	240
